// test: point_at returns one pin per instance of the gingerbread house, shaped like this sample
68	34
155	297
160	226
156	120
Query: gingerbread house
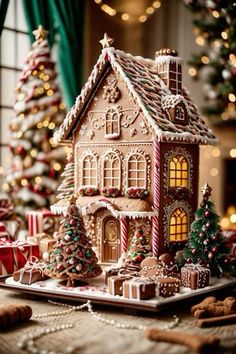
135	136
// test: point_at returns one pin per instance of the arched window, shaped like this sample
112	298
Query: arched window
89	171
112	123
178	171
179	113
111	170
137	171
178	227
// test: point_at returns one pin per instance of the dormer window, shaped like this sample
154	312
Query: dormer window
112	123
180	114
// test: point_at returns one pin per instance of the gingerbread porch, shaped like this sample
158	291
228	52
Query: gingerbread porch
135	136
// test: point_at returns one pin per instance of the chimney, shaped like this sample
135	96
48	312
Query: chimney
169	68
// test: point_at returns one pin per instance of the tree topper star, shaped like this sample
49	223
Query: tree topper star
206	190
106	41
40	33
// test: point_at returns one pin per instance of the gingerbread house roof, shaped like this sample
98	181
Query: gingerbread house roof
141	79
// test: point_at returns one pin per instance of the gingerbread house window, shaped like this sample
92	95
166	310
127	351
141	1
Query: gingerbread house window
178	171
180	114
89	171
112	123
111	170
178	227
137	171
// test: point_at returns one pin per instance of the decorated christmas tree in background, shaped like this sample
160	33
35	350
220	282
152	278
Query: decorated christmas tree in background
36	163
206	244
66	187
72	257
215	31
139	248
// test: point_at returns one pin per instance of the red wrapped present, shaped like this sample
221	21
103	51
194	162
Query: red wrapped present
6	208
14	255
40	221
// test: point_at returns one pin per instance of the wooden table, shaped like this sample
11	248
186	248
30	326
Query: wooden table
92	337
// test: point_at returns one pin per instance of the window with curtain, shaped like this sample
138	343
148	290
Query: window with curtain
14	47
178	227
178	171
89	171
111	170
137	171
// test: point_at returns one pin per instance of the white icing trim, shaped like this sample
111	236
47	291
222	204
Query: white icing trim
168	59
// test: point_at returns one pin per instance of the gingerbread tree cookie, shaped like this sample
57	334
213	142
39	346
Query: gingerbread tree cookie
38	110
72	257
66	188
139	248
206	243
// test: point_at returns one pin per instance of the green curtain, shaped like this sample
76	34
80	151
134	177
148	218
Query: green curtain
37	12
3	12
68	17
65	18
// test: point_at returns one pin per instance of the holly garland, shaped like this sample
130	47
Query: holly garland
72	256
215	31
139	248
206	244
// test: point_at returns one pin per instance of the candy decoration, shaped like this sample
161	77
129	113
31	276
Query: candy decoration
155	232
124	234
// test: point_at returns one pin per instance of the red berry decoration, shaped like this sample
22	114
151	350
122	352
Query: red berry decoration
60	266
68	250
215	249
20	150
72	222
207	213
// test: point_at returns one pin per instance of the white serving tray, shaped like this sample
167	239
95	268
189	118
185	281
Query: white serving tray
95	290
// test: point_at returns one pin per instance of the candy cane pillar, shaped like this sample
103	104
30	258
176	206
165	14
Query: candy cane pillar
155	221
124	234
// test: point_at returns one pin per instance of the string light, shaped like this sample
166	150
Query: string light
46	86
34	72
45	123
50	92
224	222
62	105
33	152
224	35
57	166
51	125
111	11
216	152
21	116
214	172
46	78
200	40
225	116
5	187
24	182
38	179
41	67
232	97
192	71
232	153
39	125
19	134
205	59
215	14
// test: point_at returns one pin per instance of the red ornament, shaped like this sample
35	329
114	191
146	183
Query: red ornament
202	234
81	254
72	221
208	225
226	260
20	150
60	266
194	250
215	249
206	242
189	260
207	213
68	250
215	237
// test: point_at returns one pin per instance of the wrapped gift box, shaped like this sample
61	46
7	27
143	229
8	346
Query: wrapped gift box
139	288
12	227
14	255
43	240
194	276
40	221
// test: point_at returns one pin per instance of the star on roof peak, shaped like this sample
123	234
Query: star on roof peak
40	33
106	41
206	191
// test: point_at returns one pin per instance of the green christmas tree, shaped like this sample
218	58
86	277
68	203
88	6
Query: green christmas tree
36	165
72	257
215	31
206	244
139	248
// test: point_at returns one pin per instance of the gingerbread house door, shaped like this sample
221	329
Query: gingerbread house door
111	240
